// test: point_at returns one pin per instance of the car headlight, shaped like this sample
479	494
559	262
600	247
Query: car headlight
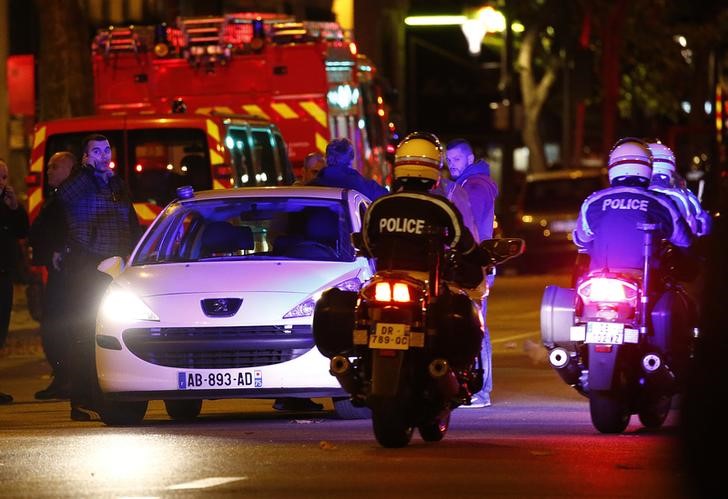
119	305
306	307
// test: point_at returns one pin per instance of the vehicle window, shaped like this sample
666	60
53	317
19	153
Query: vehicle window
286	177
238	143
163	159
250	228
264	158
559	194
72	142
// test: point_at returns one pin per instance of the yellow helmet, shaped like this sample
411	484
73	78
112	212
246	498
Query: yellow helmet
419	155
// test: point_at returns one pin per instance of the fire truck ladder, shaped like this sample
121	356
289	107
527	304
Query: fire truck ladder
203	40
118	39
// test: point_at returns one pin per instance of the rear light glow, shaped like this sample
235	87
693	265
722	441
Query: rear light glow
401	292
607	290
383	292
392	292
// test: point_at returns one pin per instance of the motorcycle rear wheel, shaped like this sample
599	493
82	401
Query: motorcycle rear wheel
435	430
654	413
609	411
391	424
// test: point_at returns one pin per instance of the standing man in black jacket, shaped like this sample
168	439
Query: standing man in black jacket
13	227
47	237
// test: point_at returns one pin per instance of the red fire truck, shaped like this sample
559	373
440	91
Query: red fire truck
209	100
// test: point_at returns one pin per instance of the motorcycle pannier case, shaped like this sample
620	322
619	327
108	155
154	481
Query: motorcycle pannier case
333	322
557	317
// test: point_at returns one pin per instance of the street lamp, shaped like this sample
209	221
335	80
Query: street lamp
486	20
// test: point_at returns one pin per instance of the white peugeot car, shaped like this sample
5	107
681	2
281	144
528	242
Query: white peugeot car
217	300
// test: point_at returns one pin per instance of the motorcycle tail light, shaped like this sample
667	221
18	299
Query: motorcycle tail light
607	290
383	292
388	291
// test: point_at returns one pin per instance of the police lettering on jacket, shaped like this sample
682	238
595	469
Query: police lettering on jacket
406	225
625	204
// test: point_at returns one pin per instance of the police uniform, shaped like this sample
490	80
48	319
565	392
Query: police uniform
607	226
397	229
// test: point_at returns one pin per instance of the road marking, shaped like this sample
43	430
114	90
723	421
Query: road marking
516	337
206	482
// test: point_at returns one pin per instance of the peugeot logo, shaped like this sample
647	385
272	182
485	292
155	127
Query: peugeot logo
221	307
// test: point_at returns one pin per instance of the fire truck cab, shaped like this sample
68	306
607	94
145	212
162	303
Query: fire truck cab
155	154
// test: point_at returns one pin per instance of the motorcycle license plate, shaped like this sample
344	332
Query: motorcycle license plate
389	336
611	333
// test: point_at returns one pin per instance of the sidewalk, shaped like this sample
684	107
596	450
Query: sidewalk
24	335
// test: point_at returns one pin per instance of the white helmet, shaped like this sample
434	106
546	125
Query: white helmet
663	160
630	157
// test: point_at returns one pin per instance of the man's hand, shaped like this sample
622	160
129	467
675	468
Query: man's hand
10	199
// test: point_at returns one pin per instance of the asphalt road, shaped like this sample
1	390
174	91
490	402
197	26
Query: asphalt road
535	441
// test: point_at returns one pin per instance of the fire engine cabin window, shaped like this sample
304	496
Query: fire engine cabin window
72	142
268	170
237	142
284	161
163	159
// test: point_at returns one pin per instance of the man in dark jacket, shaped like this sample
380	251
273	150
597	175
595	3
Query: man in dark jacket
340	173
47	237
101	223
474	177
13	227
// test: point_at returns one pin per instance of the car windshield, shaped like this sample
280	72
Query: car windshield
559	195
249	228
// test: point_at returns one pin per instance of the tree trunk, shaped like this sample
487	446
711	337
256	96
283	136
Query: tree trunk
534	96
612	42
64	63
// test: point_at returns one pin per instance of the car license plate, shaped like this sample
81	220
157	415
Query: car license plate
216	380
604	332
389	336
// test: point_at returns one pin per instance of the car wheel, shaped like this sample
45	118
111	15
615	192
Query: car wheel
118	413
346	410
183	410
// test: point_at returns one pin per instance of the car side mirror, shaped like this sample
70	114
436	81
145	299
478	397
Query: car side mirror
504	249
112	266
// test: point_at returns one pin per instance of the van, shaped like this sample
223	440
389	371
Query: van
155	154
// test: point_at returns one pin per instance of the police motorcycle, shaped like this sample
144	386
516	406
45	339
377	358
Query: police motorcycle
404	345
623	340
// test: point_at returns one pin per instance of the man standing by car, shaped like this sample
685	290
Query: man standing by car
340	173
13	227
474	177
46	237
101	222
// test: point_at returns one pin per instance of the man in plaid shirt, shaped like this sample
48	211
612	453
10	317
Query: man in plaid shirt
101	222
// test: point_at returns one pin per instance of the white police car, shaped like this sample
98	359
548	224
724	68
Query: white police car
217	300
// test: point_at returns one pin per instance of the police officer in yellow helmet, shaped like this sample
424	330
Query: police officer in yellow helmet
396	226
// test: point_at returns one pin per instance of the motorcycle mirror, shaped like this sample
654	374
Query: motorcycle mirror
504	249
112	266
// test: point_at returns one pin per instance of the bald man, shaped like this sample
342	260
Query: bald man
47	237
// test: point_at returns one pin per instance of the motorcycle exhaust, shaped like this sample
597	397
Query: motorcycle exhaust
565	365
445	382
659	375
438	368
340	367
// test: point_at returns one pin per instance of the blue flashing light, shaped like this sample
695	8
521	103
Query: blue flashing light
185	192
